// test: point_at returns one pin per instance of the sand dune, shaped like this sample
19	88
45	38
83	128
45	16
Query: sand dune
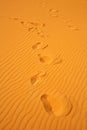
43	65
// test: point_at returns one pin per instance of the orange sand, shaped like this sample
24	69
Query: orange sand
43	65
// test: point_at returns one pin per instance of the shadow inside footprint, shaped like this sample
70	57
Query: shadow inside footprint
46	104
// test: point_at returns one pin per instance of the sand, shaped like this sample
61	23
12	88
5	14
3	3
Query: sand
43	65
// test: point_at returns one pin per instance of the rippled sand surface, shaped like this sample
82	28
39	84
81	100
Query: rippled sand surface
43	65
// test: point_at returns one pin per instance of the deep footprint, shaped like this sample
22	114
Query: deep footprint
58	105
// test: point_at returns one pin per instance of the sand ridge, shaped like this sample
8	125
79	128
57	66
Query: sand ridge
43	65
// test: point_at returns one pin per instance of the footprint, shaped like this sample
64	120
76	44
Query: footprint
15	18
34	79
44	46
57	60
39	45
44	59
43	25
58	105
41	74
71	26
54	12
40	32
22	22
76	28
37	77
36	45
31	26
30	29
